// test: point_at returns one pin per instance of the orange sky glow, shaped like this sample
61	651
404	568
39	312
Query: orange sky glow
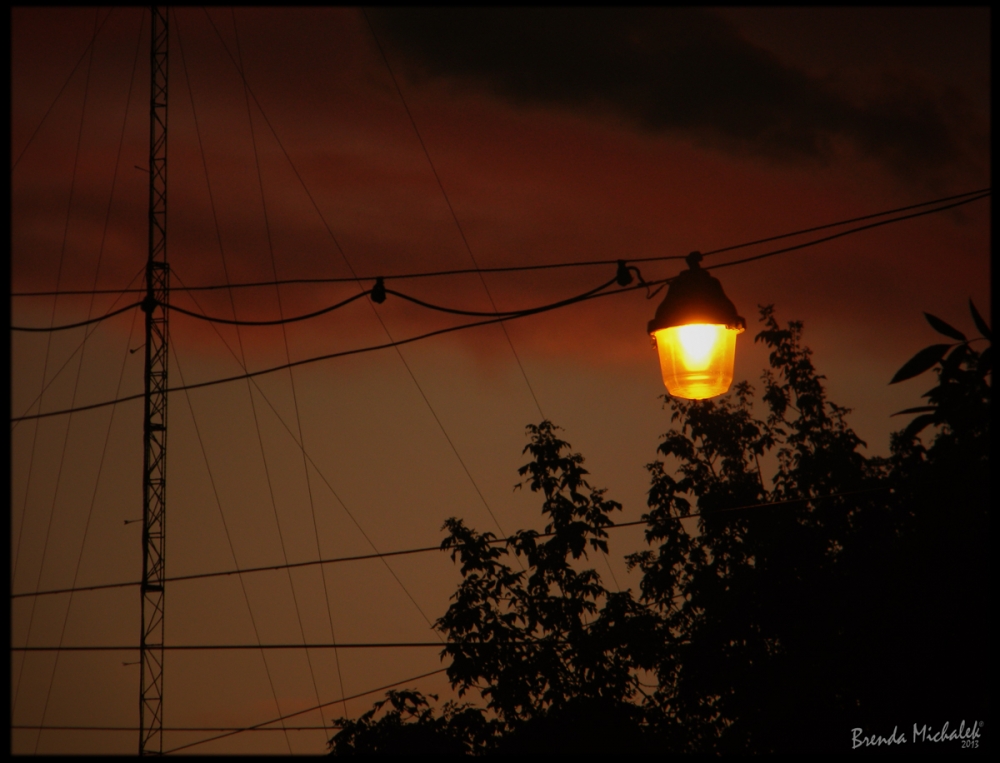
558	137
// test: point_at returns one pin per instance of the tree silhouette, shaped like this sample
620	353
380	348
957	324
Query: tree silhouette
852	593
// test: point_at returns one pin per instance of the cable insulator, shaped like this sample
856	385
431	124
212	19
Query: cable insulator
378	291
623	277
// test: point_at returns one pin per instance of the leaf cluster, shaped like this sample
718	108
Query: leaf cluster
959	401
409	724
764	629
533	639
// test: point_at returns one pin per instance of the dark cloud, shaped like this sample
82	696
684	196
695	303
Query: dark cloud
683	71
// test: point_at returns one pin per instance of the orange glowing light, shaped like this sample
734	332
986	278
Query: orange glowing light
697	360
694	331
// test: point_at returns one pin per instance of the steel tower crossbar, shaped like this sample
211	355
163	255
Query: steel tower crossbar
154	465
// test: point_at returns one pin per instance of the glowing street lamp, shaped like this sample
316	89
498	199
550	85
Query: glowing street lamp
694	332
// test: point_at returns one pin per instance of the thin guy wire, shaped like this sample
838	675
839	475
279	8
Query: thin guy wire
475	324
308	710
288	359
426	549
86	527
229	539
55	301
351	268
79	347
319	471
48	347
451	208
76	66
225	270
121	374
519	268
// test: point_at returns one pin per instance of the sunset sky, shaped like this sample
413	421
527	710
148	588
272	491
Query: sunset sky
558	136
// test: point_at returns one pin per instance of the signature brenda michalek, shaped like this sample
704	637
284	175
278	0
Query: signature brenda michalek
967	735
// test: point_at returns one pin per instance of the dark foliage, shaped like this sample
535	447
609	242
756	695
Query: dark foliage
411	725
853	594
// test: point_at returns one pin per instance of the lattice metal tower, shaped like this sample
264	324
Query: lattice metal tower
154	463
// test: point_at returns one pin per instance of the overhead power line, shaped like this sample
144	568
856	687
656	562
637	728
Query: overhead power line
849	221
79	348
279	322
848	232
176	728
297	713
378	293
487	313
329	356
980	193
228	647
593	294
426	549
78	324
